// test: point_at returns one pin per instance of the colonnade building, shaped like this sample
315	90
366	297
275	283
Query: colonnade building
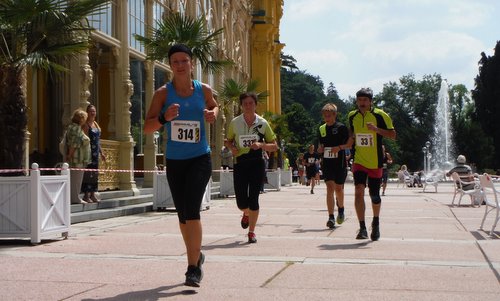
115	76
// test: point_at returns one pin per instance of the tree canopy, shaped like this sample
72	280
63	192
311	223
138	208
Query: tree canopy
412	105
486	96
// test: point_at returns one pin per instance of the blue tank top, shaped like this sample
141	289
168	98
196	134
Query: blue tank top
186	136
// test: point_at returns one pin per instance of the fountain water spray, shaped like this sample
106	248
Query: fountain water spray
442	148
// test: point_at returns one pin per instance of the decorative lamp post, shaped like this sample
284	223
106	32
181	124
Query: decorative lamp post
156	135
282	153
429	155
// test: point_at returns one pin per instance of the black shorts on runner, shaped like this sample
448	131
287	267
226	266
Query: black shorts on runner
385	175
311	172
334	173
187	180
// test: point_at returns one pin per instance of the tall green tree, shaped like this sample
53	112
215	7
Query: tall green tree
486	96
300	87
412	106
469	137
42	35
279	124
288	62
303	128
331	97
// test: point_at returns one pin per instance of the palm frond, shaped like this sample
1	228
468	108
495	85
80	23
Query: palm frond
231	90
34	31
180	28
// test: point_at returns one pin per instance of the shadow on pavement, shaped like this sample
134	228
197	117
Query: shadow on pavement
149	295
361	245
225	246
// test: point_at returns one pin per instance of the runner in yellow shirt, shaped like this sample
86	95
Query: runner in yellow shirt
367	127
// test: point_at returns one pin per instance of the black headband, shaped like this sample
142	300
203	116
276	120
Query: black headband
179	48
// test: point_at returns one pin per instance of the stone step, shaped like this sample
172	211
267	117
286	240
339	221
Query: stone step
113	204
120	203
215	190
98	214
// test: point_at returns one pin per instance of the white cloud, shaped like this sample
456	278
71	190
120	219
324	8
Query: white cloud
307	9
370	43
346	89
424	47
467	14
320	59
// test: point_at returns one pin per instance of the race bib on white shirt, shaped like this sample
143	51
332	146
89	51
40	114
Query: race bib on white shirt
185	131
364	140
329	154
247	140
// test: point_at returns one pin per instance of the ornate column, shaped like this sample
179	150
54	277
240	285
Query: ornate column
277	77
124	90
260	64
80	83
150	148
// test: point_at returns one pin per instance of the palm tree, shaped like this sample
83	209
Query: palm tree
42	35
232	89
180	28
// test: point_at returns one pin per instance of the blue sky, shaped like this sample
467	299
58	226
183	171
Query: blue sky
367	43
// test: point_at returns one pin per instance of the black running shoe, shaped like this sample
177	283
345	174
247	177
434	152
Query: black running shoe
362	234
245	221
312	191
331	223
193	276
375	235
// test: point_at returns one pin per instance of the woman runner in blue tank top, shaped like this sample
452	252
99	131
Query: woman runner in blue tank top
182	106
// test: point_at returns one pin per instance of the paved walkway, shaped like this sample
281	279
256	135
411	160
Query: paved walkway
427	251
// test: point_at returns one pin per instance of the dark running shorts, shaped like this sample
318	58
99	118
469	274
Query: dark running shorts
334	172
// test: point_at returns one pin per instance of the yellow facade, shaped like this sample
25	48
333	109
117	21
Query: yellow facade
266	51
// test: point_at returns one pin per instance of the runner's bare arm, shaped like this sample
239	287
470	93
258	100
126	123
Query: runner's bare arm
151	123
212	108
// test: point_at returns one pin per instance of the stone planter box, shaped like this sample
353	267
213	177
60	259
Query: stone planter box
162	197
227	184
286	177
35	206
273	180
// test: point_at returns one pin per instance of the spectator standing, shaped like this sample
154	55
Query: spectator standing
226	158
300	168
286	164
265	156
386	161
78	155
90	178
